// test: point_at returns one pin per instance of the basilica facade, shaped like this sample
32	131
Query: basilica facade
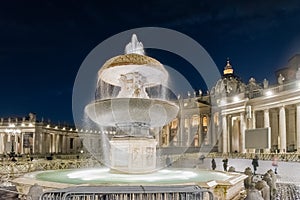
220	120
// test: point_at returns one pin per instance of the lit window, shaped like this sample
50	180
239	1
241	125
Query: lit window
174	124
195	120
204	122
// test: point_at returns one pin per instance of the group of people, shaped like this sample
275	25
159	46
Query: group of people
225	163
214	165
254	163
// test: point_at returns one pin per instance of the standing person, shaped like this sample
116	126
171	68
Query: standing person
225	163
201	158
255	163
168	161
275	163
213	163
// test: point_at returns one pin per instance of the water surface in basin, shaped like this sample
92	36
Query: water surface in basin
104	176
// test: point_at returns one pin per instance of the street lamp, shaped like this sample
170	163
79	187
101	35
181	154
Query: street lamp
12	132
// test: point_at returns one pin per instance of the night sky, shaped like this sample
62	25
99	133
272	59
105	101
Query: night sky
43	43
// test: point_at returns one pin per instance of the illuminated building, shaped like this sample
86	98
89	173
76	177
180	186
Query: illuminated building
215	122
27	135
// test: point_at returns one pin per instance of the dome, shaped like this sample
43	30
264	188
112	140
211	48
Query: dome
229	85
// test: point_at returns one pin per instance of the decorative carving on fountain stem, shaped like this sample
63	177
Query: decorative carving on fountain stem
132	85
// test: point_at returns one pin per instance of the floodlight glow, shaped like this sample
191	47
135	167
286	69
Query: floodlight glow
236	98
269	93
11	125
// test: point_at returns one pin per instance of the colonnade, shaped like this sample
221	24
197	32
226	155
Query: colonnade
39	141
283	120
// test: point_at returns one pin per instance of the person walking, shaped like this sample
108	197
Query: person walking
225	163
255	163
213	164
275	163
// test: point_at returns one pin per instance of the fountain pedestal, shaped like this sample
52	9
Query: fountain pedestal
133	154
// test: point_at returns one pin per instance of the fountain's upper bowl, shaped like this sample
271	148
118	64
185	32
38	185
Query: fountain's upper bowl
149	112
148	67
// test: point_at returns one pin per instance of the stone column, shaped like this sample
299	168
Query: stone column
64	145
53	143
16	143
1	143
41	143
266	118
57	143
253	120
267	125
298	126
34	142
22	143
208	133
224	130
282	129
186	131
242	130
200	130
213	130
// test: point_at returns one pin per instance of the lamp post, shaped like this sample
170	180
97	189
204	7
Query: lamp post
12	132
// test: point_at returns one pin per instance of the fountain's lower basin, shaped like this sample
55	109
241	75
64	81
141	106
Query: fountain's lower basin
215	181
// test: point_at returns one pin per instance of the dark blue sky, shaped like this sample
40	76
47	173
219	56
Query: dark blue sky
43	43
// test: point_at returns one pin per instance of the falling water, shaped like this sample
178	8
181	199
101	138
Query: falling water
95	140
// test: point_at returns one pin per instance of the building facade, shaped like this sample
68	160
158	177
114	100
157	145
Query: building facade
27	135
219	121
216	121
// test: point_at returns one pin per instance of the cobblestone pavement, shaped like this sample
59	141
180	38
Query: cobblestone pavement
288	172
287	191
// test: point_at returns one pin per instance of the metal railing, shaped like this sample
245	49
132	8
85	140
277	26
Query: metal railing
15	169
288	157
130	192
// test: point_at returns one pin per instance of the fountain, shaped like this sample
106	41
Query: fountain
133	111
